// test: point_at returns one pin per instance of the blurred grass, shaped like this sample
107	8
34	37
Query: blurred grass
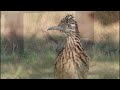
39	57
31	65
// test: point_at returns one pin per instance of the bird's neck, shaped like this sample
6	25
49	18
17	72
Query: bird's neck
73	48
73	41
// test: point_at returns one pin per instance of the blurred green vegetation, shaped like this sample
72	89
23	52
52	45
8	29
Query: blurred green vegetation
39	57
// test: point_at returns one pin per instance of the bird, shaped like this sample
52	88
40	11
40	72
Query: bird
72	62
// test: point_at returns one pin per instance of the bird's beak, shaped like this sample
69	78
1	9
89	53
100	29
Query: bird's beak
55	28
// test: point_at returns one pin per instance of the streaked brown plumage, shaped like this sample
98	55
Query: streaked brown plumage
72	61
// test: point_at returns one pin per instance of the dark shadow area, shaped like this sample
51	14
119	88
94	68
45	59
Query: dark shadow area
106	17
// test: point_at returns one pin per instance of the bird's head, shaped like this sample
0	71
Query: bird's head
67	25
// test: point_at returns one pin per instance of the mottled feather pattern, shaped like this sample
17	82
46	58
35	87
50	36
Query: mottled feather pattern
72	62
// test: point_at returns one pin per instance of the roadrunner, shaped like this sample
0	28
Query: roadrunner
72	61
